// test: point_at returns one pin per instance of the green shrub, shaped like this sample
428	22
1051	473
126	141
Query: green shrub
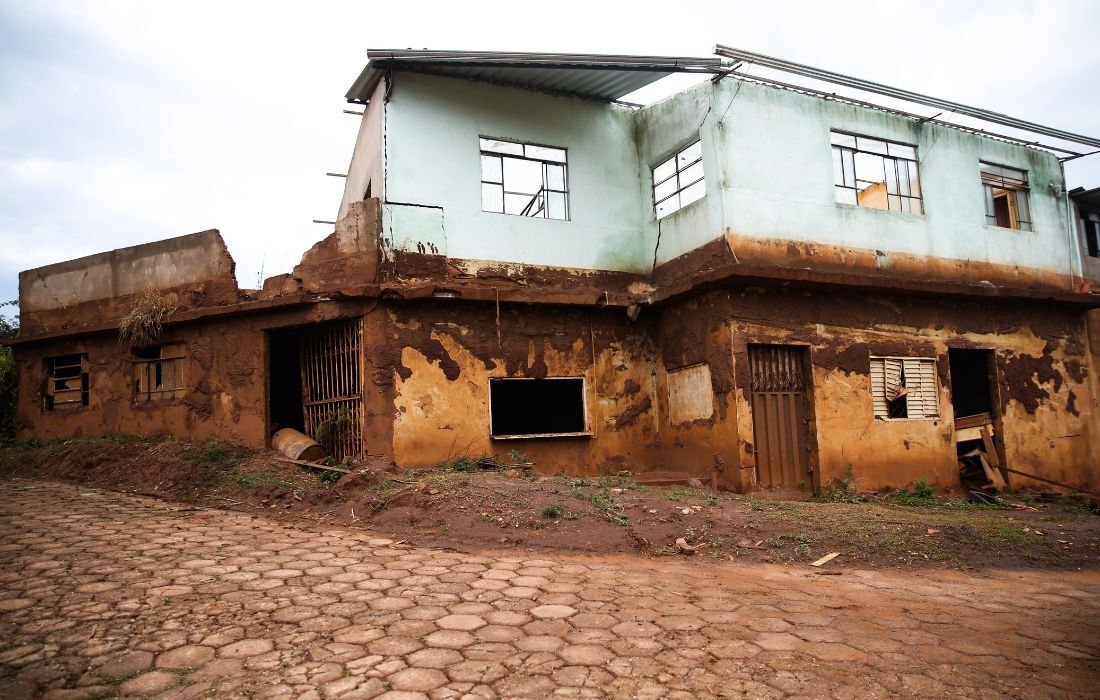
551	511
841	490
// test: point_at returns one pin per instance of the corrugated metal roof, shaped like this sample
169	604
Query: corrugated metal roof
595	76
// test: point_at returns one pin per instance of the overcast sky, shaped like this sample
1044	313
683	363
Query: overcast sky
125	122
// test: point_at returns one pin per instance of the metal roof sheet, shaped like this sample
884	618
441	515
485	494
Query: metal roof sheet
595	76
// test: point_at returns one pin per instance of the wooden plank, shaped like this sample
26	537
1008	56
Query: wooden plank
311	465
973	421
1051	481
992	474
826	559
990	452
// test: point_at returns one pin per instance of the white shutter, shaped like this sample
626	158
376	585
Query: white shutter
920	380
878	387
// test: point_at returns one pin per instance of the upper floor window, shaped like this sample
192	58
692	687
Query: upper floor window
524	179
678	181
66	382
158	372
1005	197
1090	224
875	173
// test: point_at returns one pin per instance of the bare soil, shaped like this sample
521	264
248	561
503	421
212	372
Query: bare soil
478	510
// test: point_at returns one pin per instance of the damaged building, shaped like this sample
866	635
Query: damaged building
747	281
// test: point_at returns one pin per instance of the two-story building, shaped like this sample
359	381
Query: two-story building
746	280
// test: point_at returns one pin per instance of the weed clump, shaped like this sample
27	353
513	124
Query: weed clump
145	321
918	493
551	511
841	490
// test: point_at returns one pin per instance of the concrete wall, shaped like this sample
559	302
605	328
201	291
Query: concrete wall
770	177
193	270
368	158
433	162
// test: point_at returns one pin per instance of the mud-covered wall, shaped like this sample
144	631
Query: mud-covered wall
1046	399
224	375
438	359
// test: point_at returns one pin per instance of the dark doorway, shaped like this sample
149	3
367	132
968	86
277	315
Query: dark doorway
285	380
971	385
537	406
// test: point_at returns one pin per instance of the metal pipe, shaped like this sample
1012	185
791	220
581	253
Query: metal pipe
915	97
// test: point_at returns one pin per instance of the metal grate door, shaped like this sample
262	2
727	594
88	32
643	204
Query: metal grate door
779	414
332	390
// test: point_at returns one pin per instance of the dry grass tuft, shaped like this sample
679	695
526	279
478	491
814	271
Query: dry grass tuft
145	321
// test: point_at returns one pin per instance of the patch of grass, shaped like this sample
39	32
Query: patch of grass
605	504
918	493
1073	503
329	477
551	511
462	463
251	480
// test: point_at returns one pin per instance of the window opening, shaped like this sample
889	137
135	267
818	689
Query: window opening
679	181
158	372
1006	195
1092	234
876	174
524	179
904	387
66	382
537	407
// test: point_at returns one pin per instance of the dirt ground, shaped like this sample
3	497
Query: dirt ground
461	507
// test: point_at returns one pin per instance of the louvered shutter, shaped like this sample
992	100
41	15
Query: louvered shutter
920	380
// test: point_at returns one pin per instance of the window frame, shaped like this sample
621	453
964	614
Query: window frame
677	170
930	392
49	403
176	359
840	179
1013	188
1090	229
586	433
543	162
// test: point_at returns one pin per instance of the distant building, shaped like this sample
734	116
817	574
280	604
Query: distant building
745	279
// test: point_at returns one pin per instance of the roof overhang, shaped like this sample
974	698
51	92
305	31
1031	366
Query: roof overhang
1088	200
592	76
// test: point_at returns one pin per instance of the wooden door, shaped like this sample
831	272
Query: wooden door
779	422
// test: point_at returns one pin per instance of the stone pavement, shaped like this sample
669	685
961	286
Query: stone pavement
104	594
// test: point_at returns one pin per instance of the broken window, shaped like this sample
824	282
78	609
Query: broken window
1090	224
537	407
66	382
904	387
524	179
679	181
158	372
1006	197
875	173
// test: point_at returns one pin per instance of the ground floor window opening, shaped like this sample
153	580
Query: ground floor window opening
537	407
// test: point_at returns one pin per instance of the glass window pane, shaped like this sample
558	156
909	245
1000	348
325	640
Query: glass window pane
555	205
545	153
843	140
871	145
1023	211
691	174
891	167
492	198
522	175
849	168
838	167
914	179
490	169
845	195
664	170
896	149
895	202
989	210
668	206
690	154
555	177
664	189
516	203
693	193
515	149
917	206
869	169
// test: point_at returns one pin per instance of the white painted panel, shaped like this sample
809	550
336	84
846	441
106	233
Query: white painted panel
690	394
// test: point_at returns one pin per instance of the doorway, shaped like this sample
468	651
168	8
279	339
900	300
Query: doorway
314	384
780	424
979	441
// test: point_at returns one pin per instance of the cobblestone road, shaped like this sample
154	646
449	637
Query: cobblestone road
104	594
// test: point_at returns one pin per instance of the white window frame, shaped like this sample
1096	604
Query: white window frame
675	175
922	401
495	152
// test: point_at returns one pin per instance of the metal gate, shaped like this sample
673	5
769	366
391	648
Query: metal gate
332	391
779	414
